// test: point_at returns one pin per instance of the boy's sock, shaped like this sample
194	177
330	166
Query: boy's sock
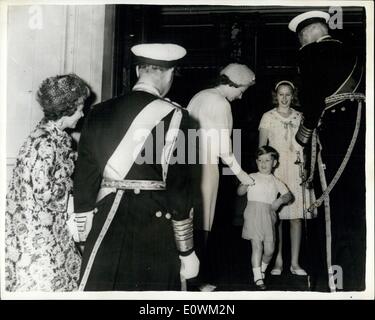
257	274
264	268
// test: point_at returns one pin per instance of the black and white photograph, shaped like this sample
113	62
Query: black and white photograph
216	150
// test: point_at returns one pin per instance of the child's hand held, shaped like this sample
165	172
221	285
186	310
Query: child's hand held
275	205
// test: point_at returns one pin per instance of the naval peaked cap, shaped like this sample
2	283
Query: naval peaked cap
306	18
158	54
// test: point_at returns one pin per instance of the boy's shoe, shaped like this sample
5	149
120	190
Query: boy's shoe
260	284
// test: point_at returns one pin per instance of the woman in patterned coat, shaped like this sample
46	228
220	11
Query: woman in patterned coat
40	253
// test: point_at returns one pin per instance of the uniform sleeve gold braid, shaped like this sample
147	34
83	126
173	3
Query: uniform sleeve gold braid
183	232
304	134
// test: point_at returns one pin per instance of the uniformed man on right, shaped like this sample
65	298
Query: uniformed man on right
333	132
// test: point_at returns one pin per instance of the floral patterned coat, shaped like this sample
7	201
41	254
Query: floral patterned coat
40	253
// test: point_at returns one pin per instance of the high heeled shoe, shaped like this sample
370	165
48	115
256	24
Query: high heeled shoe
206	287
298	272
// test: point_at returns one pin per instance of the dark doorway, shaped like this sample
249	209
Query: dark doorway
215	36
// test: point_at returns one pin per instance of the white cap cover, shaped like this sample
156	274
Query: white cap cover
306	18
159	54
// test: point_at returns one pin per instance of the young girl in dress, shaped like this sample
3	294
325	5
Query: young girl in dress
277	129
260	212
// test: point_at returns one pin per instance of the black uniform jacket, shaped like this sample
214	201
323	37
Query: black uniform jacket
138	251
324	67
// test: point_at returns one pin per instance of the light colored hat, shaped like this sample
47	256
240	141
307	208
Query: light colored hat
239	74
306	18
158	54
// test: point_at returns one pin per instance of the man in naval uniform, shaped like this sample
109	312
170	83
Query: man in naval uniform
132	198
332	106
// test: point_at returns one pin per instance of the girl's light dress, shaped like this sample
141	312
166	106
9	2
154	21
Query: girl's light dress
281	136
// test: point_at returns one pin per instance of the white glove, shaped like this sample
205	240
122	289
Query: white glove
72	227
189	266
83	222
76	136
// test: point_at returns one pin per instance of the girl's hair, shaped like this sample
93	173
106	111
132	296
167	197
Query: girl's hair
290	84
295	101
265	150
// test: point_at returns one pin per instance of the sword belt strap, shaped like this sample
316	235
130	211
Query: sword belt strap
133	184
330	101
100	238
334	99
344	162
